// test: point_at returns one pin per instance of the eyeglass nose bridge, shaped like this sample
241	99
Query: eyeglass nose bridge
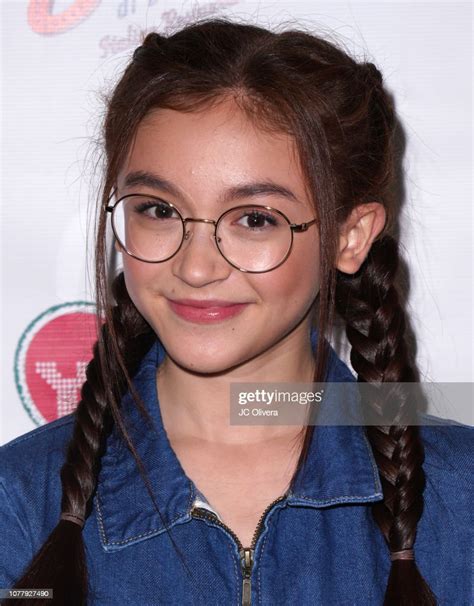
188	233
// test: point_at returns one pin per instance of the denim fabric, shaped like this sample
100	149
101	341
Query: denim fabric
319	545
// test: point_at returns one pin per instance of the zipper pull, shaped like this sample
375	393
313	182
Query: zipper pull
246	560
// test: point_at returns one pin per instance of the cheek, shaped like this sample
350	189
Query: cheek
295	283
140	279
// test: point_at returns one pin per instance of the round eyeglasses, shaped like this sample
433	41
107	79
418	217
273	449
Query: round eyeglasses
252	238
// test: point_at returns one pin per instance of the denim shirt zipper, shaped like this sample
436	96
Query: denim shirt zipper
246	553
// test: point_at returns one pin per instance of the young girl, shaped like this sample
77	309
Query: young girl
249	188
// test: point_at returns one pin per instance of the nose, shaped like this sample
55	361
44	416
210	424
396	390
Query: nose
199	262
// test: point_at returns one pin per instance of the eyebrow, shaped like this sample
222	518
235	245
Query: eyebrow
237	192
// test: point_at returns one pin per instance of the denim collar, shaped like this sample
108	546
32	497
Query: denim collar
340	467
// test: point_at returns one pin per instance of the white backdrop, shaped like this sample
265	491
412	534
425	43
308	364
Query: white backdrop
58	56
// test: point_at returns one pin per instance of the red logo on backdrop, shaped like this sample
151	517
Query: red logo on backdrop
51	360
43	20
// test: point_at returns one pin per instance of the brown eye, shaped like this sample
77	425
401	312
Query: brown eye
256	219
155	209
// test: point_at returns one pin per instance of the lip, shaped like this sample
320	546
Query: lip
203	303
205	311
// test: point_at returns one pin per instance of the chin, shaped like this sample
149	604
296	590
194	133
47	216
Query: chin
200	364
204	355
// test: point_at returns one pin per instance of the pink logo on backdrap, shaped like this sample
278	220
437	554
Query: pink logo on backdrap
51	360
46	18
43	20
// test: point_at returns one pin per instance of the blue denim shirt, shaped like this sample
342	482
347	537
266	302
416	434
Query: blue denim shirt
316	545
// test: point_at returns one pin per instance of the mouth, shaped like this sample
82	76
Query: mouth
205	311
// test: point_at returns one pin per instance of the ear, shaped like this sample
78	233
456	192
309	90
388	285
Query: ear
117	246
356	235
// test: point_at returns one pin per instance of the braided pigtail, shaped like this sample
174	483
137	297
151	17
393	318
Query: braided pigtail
60	563
375	327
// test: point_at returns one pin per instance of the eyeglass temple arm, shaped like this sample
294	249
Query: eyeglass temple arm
302	226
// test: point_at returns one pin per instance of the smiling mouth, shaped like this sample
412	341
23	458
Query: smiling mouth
206	311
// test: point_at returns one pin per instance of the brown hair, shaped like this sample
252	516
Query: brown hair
343	122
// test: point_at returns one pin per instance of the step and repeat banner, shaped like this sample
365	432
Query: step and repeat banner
61	57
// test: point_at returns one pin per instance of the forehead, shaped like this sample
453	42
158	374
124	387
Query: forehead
214	147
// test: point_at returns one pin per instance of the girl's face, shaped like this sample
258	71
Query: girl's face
203	155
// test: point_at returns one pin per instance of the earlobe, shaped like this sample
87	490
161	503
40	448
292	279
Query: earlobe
117	246
357	235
